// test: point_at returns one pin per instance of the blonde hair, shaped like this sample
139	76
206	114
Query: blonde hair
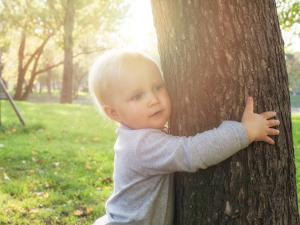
107	68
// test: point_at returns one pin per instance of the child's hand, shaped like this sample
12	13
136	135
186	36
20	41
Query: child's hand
259	125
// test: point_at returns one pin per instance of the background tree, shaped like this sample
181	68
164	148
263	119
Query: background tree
66	91
213	55
27	20
293	67
40	24
86	17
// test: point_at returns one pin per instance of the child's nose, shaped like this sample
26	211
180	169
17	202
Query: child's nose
153	99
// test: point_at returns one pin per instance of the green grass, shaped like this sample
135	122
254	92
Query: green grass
61	162
57	170
296	140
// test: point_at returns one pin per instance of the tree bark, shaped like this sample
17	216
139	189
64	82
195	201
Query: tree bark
66	92
214	54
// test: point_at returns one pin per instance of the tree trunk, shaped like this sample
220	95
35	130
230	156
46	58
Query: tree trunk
49	82
66	92
21	70
213	55
23	67
28	88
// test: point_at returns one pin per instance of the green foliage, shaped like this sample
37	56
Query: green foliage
39	20
289	13
91	17
34	18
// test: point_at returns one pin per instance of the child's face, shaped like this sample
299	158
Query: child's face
140	99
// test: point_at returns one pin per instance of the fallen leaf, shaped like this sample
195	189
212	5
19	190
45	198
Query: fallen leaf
15	209
33	210
40	161
5	176
89	210
42	194
88	166
107	180
47	185
31	172
78	212
34	153
46	195
99	188
96	139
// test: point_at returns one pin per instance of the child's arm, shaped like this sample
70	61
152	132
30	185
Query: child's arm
159	153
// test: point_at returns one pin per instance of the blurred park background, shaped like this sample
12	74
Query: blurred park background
58	168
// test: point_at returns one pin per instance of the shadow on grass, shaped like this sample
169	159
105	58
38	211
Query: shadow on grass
19	129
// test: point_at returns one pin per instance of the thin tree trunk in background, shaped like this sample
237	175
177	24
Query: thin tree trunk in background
66	91
28	88
214	54
21	70
49	82
23	66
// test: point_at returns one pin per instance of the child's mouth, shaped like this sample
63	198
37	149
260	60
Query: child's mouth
157	113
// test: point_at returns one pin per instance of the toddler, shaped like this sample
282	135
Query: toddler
128	87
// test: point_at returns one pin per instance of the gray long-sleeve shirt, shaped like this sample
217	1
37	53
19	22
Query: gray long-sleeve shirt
145	161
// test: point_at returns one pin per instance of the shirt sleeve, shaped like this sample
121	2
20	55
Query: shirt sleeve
159	153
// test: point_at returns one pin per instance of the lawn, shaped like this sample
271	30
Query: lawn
58	169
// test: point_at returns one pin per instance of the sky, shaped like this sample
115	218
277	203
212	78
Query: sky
138	28
291	39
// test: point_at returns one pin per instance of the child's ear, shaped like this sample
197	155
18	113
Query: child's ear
111	113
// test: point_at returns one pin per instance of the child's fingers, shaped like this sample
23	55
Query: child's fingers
269	140
268	114
272	123
272	131
249	105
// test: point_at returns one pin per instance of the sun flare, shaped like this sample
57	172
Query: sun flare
138	27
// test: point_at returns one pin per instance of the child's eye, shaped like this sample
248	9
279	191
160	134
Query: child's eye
159	87
137	97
